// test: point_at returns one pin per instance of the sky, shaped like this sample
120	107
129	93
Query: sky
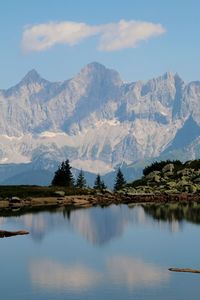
141	39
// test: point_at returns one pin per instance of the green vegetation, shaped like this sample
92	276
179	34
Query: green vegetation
159	165
5	212
168	177
27	191
174	211
99	183
160	177
63	176
178	165
119	181
193	164
81	181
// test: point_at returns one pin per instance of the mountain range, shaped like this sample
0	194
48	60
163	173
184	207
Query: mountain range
97	121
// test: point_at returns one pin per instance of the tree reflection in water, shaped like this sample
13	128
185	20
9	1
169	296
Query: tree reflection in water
101	225
174	212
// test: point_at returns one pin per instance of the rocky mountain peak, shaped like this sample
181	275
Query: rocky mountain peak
32	77
178	77
168	76
97	72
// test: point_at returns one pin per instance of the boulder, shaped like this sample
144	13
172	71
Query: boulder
152	175
171	184
157	178
197	180
168	174
168	168
182	182
15	200
197	186
189	188
197	172
185	172
59	193
171	191
129	191
192	189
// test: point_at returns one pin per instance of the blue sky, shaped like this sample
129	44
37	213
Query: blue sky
174	46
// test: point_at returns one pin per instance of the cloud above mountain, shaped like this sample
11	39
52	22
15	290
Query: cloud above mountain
112	36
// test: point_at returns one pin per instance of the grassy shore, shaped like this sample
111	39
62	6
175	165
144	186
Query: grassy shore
16	198
26	191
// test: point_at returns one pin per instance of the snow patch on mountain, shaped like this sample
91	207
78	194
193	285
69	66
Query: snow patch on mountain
93	166
49	134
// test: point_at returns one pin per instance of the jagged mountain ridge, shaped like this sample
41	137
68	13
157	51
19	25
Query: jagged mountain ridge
94	119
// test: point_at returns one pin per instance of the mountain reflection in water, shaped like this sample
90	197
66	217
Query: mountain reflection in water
100	225
97	225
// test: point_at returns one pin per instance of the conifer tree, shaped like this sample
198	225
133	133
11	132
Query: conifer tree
63	176
81	181
119	181
99	183
103	186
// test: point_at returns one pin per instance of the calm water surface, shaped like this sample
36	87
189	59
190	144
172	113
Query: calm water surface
118	252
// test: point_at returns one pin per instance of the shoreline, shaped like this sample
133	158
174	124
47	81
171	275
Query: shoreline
104	199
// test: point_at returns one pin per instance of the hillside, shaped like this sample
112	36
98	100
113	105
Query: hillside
170	177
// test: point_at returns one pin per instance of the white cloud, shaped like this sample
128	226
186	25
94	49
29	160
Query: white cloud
113	36
43	36
125	34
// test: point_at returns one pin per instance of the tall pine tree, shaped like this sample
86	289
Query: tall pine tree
119	181
81	181
63	176
99	183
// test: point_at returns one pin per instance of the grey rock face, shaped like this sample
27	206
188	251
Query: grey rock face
96	120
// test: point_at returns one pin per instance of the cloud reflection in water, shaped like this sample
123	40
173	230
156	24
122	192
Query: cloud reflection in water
121	270
135	272
52	275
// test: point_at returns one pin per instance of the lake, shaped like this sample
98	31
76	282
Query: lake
117	252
